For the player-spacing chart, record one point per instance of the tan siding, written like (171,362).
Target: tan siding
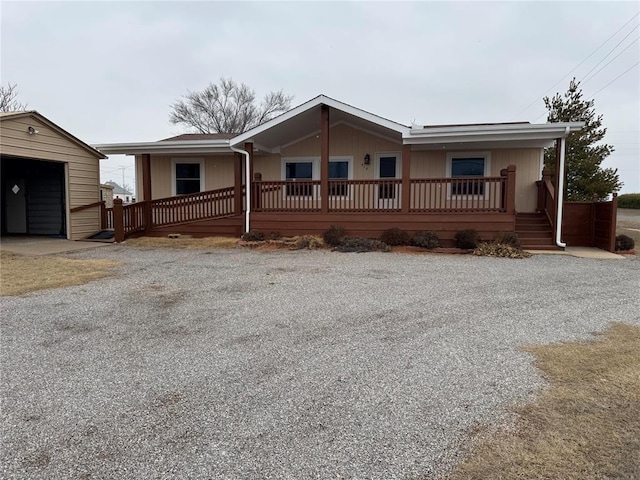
(426,164)
(270,166)
(83,167)
(527,162)
(218,173)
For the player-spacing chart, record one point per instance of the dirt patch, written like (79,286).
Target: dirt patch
(23,274)
(585,426)
(183,242)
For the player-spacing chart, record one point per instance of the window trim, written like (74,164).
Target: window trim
(315,168)
(177,161)
(449,174)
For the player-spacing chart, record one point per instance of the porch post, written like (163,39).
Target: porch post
(556,178)
(511,190)
(118,220)
(237,184)
(324,157)
(406,178)
(146,191)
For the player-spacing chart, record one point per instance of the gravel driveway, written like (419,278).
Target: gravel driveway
(240,364)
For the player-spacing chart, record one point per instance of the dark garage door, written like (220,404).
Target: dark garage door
(33,197)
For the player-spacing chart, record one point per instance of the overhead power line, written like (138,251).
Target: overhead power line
(604,66)
(622,74)
(611,51)
(598,91)
(576,67)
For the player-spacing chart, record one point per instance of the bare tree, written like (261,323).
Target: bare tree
(227,107)
(8,99)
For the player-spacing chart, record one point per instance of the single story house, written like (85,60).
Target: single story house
(106,195)
(122,193)
(327,163)
(50,179)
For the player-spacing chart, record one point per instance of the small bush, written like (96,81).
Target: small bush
(500,250)
(629,200)
(253,236)
(275,235)
(624,243)
(395,236)
(467,239)
(359,244)
(508,238)
(333,237)
(426,240)
(307,242)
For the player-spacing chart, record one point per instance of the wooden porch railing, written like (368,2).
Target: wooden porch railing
(195,206)
(460,194)
(547,199)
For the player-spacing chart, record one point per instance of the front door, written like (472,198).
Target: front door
(388,168)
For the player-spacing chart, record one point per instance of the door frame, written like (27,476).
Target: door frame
(388,203)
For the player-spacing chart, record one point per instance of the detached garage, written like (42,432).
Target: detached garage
(50,180)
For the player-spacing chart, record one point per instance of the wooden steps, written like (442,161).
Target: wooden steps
(534,231)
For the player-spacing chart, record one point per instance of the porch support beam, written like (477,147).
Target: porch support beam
(511,190)
(237,184)
(324,157)
(406,178)
(146,191)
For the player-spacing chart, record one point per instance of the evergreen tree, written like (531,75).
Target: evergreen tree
(585,178)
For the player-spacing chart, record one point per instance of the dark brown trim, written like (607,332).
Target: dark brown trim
(406,178)
(324,158)
(85,207)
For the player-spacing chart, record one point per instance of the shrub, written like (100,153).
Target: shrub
(508,238)
(253,236)
(307,242)
(359,244)
(624,243)
(467,239)
(333,237)
(395,236)
(275,235)
(629,200)
(426,240)
(500,250)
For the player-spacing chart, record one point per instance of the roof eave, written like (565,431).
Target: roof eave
(547,131)
(166,147)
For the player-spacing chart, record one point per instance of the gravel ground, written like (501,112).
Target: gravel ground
(241,364)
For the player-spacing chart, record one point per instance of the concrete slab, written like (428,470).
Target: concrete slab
(31,245)
(581,252)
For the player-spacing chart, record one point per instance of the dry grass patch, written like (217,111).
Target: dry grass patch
(22,274)
(183,242)
(586,425)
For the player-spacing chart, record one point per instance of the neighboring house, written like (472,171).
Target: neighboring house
(106,195)
(122,193)
(374,174)
(50,179)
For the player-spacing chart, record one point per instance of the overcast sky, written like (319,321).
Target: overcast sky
(109,72)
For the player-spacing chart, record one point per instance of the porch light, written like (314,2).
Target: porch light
(32,131)
(367,159)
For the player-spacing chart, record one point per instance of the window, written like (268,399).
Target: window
(188,176)
(338,170)
(299,171)
(306,169)
(470,168)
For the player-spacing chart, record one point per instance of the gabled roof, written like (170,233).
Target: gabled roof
(117,189)
(314,103)
(41,118)
(303,121)
(200,136)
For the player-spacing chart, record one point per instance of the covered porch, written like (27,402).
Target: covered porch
(325,163)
